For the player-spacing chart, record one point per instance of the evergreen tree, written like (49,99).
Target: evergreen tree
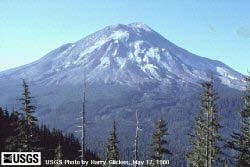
(58,154)
(226,163)
(48,140)
(83,150)
(160,143)
(206,138)
(28,122)
(12,142)
(136,144)
(196,158)
(112,146)
(3,127)
(241,141)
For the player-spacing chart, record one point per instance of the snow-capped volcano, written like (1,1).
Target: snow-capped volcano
(128,68)
(125,54)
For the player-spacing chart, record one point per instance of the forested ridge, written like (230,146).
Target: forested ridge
(20,131)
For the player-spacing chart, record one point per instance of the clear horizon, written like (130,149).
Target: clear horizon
(216,30)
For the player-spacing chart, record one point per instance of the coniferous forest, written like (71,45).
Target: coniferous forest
(20,131)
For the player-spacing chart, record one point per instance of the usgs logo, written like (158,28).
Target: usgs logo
(20,158)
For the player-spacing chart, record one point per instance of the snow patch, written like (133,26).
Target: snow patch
(90,49)
(67,64)
(225,73)
(121,61)
(118,35)
(140,26)
(135,58)
(153,53)
(138,47)
(151,68)
(105,62)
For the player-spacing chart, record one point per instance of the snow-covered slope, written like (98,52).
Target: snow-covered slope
(124,54)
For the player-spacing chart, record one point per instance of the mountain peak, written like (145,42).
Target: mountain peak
(140,25)
(132,28)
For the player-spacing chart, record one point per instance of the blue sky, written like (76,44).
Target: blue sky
(215,29)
